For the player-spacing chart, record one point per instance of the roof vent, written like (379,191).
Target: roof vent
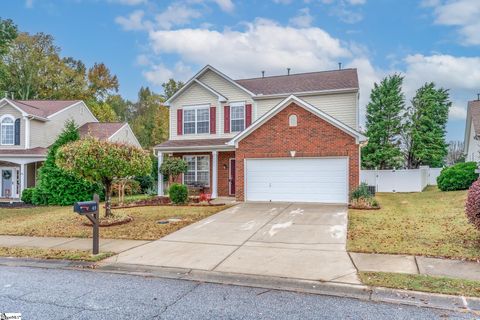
(263,74)
(288,71)
(339,66)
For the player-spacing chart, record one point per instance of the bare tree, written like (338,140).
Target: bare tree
(455,152)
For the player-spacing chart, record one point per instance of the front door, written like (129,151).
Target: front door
(231,179)
(7,183)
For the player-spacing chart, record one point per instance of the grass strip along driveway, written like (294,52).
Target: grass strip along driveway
(62,222)
(429,223)
(53,254)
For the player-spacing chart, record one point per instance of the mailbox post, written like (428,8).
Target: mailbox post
(90,210)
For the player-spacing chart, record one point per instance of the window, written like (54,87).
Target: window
(198,170)
(292,120)
(7,131)
(237,117)
(196,120)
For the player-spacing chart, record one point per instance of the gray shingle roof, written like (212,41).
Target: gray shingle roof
(192,143)
(43,108)
(474,107)
(302,82)
(100,130)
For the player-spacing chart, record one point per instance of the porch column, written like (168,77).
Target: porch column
(23,178)
(160,175)
(214,173)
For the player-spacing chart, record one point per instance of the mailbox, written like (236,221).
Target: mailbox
(85,207)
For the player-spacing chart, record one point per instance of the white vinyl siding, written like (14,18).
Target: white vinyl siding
(473,151)
(297,180)
(43,134)
(342,106)
(198,170)
(125,135)
(223,86)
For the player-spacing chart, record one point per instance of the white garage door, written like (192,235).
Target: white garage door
(297,180)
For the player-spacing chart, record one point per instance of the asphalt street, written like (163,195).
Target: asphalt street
(70,294)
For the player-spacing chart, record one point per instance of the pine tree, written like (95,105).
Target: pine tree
(384,124)
(425,128)
(57,187)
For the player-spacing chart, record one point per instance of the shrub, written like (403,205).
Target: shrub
(173,167)
(178,193)
(146,182)
(27,195)
(472,206)
(457,177)
(361,192)
(132,187)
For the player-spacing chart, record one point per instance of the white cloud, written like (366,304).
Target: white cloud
(160,74)
(263,45)
(176,14)
(457,112)
(282,1)
(303,20)
(463,14)
(133,22)
(225,5)
(356,2)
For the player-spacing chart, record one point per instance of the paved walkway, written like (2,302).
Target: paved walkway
(106,245)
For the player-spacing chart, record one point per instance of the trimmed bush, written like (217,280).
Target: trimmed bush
(472,206)
(27,195)
(178,193)
(361,192)
(457,177)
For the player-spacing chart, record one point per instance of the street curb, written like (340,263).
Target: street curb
(360,292)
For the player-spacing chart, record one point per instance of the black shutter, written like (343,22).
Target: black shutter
(17,132)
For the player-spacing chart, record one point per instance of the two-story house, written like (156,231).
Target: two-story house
(281,138)
(472,132)
(28,128)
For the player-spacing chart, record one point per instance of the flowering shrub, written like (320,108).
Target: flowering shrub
(472,206)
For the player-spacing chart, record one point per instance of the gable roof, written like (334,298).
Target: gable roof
(41,108)
(303,82)
(195,79)
(283,104)
(100,130)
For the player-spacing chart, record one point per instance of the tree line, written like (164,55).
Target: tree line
(32,67)
(401,136)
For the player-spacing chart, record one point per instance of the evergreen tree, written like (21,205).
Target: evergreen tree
(56,186)
(425,128)
(384,124)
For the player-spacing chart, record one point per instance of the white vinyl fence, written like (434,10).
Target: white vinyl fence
(403,180)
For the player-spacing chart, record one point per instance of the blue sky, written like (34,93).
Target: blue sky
(145,42)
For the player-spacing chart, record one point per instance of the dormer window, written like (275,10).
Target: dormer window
(237,117)
(7,131)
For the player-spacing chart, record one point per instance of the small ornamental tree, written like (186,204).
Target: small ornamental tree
(56,186)
(173,167)
(103,162)
(472,206)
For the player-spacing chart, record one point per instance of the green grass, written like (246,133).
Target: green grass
(431,223)
(63,222)
(53,254)
(423,283)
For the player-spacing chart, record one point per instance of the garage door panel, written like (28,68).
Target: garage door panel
(302,180)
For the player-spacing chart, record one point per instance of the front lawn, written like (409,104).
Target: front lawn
(53,254)
(420,282)
(431,223)
(62,222)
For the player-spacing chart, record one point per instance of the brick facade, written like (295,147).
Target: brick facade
(312,137)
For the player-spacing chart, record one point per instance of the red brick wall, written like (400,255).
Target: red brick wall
(312,137)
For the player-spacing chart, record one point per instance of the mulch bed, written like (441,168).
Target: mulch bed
(163,201)
(363,208)
(15,205)
(111,223)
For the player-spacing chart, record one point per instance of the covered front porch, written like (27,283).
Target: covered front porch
(18,171)
(211,165)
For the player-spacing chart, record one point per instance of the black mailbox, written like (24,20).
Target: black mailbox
(85,207)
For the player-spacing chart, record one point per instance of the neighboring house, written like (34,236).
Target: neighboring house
(472,132)
(28,128)
(279,138)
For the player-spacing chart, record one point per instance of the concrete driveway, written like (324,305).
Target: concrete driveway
(301,241)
